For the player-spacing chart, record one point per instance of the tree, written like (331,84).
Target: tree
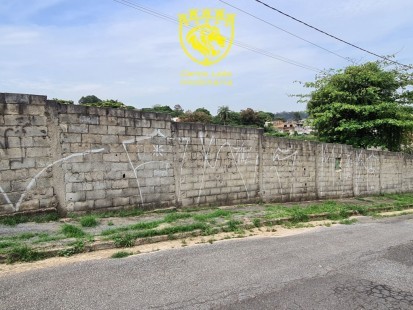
(364,105)
(248,116)
(297,116)
(178,111)
(224,114)
(89,99)
(204,111)
(196,117)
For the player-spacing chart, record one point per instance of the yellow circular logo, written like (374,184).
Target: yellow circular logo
(206,35)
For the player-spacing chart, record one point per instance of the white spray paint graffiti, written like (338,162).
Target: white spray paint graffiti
(32,182)
(210,162)
(362,167)
(279,156)
(157,152)
(367,165)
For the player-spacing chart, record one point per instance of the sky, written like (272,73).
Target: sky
(67,49)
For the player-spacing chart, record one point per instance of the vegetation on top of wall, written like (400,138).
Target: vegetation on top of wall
(93,101)
(367,105)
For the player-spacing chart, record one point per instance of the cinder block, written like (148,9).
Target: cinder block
(116,130)
(89,119)
(16,98)
(78,128)
(78,196)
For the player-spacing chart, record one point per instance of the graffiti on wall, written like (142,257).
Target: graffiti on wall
(32,182)
(283,170)
(224,157)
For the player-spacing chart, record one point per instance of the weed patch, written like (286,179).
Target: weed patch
(121,254)
(256,222)
(138,226)
(89,221)
(124,241)
(71,231)
(23,253)
(348,221)
(211,215)
(173,217)
(77,247)
(39,218)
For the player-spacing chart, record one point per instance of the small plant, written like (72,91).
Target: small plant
(23,253)
(124,241)
(183,242)
(173,217)
(71,231)
(7,244)
(121,254)
(348,221)
(89,221)
(299,215)
(233,225)
(110,223)
(256,222)
(77,247)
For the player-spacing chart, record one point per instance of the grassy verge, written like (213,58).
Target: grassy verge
(78,238)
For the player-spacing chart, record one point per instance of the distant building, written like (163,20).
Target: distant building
(292,127)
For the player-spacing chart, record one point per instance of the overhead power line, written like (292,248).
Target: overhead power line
(286,31)
(332,36)
(235,42)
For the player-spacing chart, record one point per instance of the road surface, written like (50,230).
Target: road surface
(368,265)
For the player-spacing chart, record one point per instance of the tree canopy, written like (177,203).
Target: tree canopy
(93,101)
(367,105)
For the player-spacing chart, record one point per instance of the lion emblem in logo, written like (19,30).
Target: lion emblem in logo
(206,36)
(204,39)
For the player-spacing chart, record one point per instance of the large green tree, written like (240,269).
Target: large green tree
(366,105)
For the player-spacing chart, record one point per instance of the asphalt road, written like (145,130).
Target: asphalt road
(364,266)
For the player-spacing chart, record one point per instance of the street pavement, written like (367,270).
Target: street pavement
(368,265)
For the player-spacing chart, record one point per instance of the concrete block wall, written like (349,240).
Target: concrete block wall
(25,154)
(216,164)
(289,170)
(77,158)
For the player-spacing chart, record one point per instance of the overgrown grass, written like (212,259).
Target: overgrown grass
(23,253)
(173,217)
(77,246)
(7,244)
(137,226)
(125,239)
(89,221)
(212,215)
(38,218)
(71,231)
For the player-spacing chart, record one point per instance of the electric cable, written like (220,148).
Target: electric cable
(286,31)
(235,42)
(332,36)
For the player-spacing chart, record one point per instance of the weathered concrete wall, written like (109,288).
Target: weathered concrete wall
(77,158)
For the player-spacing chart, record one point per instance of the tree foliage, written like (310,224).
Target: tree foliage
(196,117)
(93,101)
(366,105)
